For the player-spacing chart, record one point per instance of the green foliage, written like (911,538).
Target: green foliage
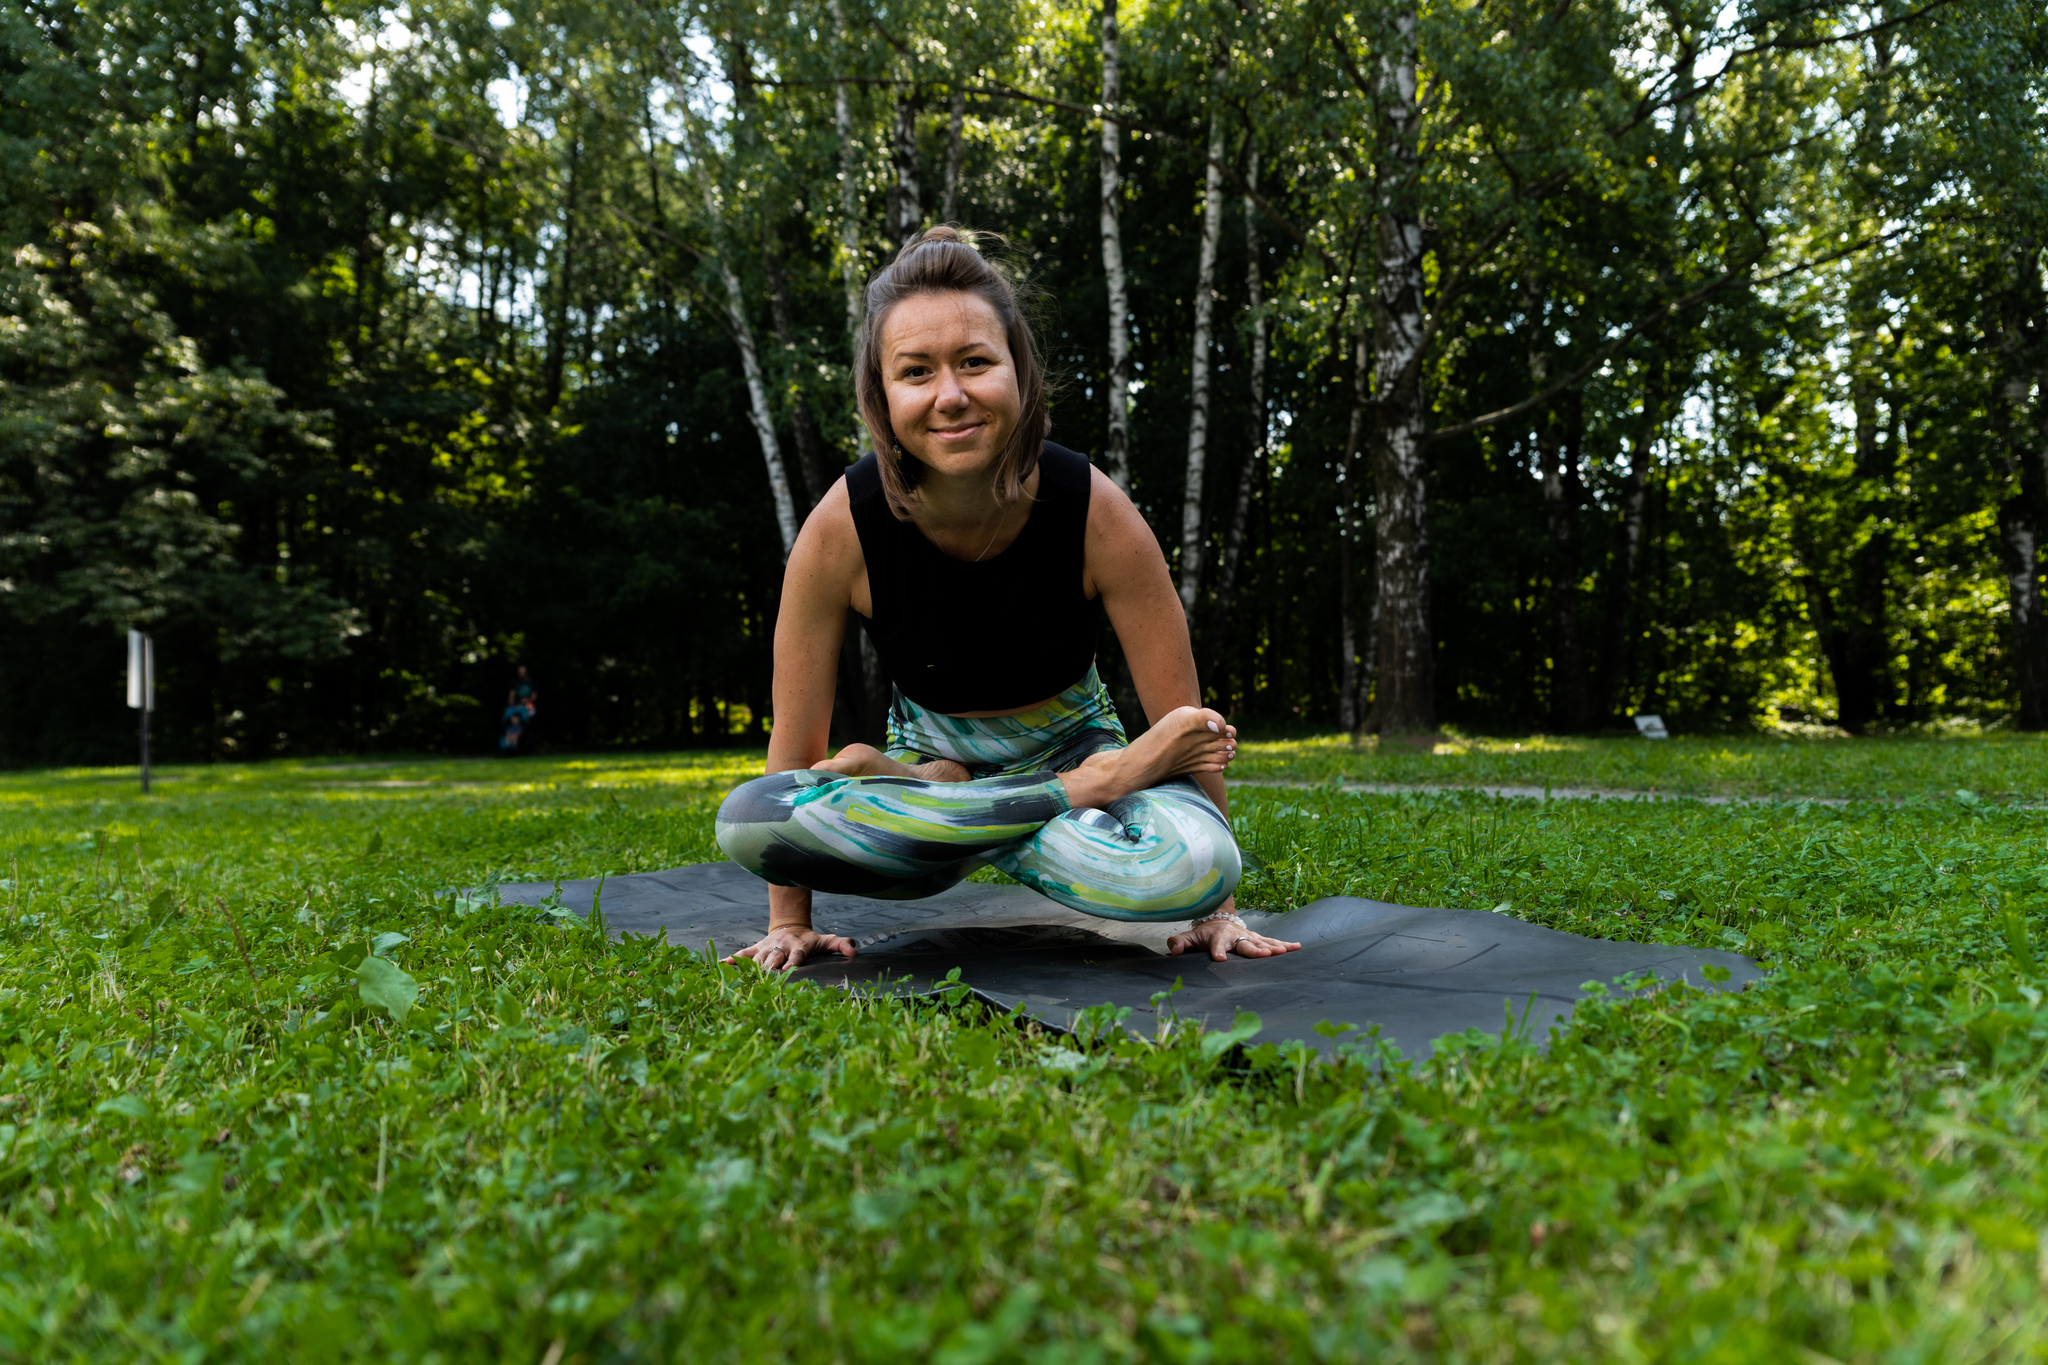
(215,1142)
(115,433)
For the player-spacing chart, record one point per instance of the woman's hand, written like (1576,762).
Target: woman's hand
(1221,937)
(787,947)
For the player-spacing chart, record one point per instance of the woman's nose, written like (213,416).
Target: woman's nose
(950,394)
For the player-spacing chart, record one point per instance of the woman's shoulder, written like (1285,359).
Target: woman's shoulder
(1066,469)
(863,481)
(829,534)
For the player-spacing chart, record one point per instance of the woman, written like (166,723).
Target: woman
(975,552)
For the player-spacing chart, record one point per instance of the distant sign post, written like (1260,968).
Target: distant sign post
(142,690)
(1652,727)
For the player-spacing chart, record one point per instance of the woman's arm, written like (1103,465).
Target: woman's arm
(1124,564)
(817,588)
(825,575)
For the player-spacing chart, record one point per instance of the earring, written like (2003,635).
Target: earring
(899,451)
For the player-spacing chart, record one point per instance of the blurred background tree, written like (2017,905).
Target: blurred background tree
(1506,366)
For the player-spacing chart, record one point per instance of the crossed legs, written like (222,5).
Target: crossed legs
(1122,834)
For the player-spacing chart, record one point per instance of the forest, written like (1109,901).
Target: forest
(1482,364)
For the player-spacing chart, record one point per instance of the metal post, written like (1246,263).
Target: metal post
(142,691)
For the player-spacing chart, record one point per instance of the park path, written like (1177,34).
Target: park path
(1541,793)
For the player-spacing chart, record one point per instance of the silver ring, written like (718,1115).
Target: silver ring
(1241,938)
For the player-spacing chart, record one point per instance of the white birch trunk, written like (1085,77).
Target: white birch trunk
(1202,365)
(956,127)
(750,358)
(1255,292)
(908,197)
(1116,457)
(1255,458)
(1406,653)
(1349,689)
(857,651)
(849,191)
(757,406)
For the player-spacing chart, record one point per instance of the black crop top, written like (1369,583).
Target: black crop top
(1006,632)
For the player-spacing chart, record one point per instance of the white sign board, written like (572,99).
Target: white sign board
(1652,727)
(141,672)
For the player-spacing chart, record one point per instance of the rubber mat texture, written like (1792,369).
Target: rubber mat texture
(1416,974)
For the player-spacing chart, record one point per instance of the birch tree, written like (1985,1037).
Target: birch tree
(758,409)
(1254,465)
(906,208)
(1406,649)
(849,182)
(1116,455)
(956,143)
(1199,368)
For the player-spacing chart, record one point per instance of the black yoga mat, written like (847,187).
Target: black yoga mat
(1417,974)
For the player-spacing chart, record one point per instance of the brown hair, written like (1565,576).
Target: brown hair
(948,260)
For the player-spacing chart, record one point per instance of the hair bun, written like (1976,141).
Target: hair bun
(953,235)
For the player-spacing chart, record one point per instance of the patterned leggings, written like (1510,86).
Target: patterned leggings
(1161,854)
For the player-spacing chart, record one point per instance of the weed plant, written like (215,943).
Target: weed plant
(271,1091)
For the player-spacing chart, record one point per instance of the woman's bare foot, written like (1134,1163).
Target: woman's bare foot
(1189,739)
(864,760)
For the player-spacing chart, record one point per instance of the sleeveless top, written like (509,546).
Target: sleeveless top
(1006,632)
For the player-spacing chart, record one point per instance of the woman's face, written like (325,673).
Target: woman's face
(950,381)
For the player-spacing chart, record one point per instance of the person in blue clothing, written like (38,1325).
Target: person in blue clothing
(522,704)
(514,729)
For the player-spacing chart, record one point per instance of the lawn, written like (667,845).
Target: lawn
(224,1133)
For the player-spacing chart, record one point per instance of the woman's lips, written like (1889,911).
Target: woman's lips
(956,433)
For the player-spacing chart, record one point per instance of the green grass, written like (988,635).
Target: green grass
(1872,769)
(212,1146)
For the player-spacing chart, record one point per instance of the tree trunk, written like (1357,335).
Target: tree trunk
(1851,619)
(1615,653)
(558,320)
(1861,656)
(743,335)
(1199,368)
(757,396)
(860,696)
(1563,429)
(1349,714)
(1116,455)
(1255,456)
(2016,328)
(849,193)
(810,444)
(1558,430)
(2019,542)
(956,125)
(1406,701)
(907,205)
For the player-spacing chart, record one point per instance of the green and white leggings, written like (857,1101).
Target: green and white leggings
(1165,853)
